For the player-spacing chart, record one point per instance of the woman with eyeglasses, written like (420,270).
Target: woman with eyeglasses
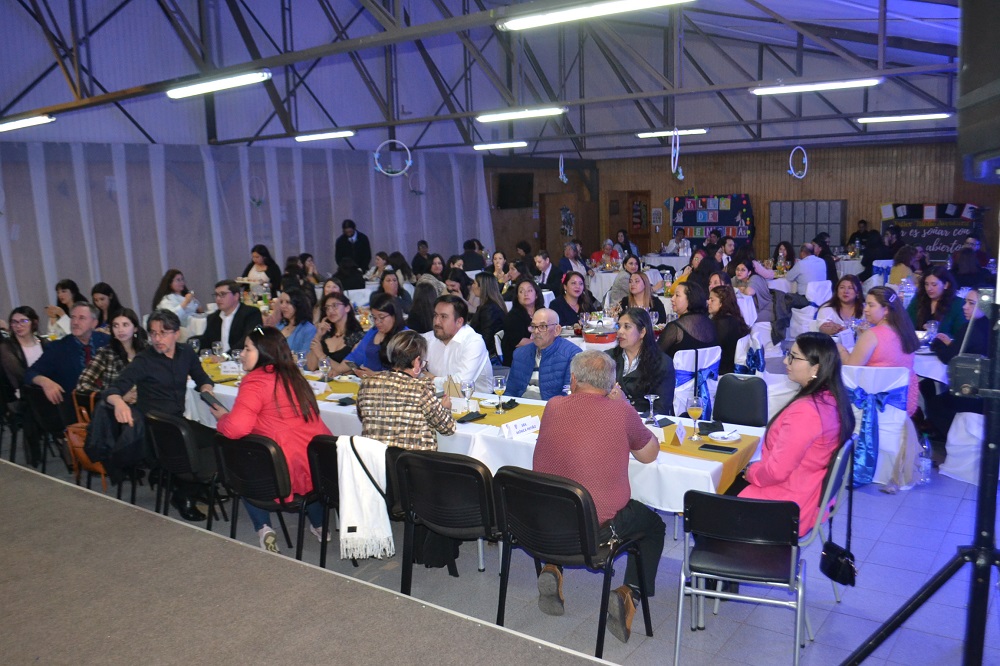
(516,323)
(369,355)
(275,401)
(889,342)
(802,438)
(18,353)
(336,334)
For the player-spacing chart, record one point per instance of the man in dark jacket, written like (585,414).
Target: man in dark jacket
(353,244)
(231,323)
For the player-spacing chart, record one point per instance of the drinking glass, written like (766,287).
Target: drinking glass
(694,409)
(567,390)
(234,355)
(205,355)
(499,386)
(325,366)
(467,389)
(217,349)
(651,398)
(195,344)
(300,360)
(932,330)
(654,316)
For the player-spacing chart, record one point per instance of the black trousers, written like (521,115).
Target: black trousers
(637,518)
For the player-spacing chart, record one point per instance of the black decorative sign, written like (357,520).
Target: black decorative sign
(938,228)
(730,214)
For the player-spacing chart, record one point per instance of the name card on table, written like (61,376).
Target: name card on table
(515,429)
(229,368)
(679,434)
(318,388)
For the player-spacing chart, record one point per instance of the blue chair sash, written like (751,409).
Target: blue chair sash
(701,385)
(883,271)
(754,364)
(871,404)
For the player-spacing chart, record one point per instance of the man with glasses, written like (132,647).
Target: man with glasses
(231,323)
(454,349)
(160,373)
(544,362)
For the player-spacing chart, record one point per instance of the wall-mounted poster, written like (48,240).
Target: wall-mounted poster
(938,228)
(730,214)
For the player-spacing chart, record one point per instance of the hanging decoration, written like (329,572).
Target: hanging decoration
(791,166)
(675,154)
(413,188)
(257,191)
(390,171)
(562,171)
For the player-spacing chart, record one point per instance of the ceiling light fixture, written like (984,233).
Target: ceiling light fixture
(585,11)
(319,136)
(498,116)
(25,122)
(815,87)
(500,146)
(215,85)
(903,119)
(659,133)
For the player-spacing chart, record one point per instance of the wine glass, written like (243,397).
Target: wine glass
(300,360)
(205,356)
(694,409)
(195,345)
(651,398)
(467,389)
(567,390)
(217,349)
(235,355)
(932,330)
(654,316)
(499,386)
(325,366)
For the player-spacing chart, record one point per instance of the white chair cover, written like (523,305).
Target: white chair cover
(747,342)
(747,308)
(762,331)
(965,443)
(881,268)
(818,292)
(897,454)
(684,362)
(497,340)
(358,296)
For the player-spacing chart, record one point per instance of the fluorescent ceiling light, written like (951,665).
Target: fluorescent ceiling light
(585,11)
(659,133)
(214,85)
(903,119)
(25,122)
(339,134)
(520,113)
(814,87)
(501,146)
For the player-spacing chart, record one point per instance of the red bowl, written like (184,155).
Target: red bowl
(600,338)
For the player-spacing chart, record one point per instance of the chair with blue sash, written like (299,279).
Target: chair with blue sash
(818,293)
(749,357)
(886,447)
(696,369)
(880,274)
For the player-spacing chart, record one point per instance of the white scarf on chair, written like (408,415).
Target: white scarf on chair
(364,519)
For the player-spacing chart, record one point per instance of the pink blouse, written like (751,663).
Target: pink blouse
(889,353)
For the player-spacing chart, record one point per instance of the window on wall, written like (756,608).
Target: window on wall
(799,221)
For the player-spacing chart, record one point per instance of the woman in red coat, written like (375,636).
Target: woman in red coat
(276,401)
(803,437)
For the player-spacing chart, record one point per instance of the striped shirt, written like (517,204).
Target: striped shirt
(402,411)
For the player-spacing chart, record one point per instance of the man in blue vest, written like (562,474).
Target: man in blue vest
(547,354)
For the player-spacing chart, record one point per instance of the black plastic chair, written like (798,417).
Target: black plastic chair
(10,418)
(179,459)
(254,468)
(323,469)
(741,400)
(447,493)
(51,422)
(553,519)
(744,541)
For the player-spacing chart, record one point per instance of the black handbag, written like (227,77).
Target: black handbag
(837,562)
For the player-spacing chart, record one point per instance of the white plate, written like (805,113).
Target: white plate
(488,402)
(724,437)
(334,397)
(347,378)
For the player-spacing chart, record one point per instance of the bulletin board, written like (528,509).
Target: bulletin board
(730,214)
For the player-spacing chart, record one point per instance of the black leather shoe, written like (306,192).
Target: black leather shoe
(187,509)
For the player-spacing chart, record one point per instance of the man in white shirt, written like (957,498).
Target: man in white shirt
(678,244)
(809,268)
(454,349)
(549,276)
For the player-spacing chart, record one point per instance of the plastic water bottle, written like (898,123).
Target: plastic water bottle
(925,460)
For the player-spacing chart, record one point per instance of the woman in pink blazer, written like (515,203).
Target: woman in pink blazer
(803,437)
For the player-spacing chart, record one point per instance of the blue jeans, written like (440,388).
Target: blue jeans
(260,517)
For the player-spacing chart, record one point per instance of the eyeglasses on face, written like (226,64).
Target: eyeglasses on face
(541,328)
(789,357)
(19,322)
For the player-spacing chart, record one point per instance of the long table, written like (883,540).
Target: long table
(660,484)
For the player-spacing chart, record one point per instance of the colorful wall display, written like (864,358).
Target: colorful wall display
(731,214)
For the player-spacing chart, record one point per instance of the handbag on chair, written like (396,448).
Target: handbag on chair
(837,562)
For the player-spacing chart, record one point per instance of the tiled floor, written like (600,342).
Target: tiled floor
(899,541)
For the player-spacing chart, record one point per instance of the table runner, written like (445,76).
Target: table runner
(732,464)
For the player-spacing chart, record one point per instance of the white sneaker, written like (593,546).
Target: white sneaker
(318,533)
(268,539)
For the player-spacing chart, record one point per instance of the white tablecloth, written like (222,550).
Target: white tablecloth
(360,297)
(660,484)
(928,365)
(781,284)
(676,263)
(849,267)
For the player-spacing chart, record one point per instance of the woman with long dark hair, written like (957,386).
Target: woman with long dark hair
(172,294)
(624,244)
(457,283)
(697,257)
(349,274)
(312,274)
(935,301)
(374,273)
(889,341)
(389,284)
(369,355)
(576,299)
(421,317)
(263,269)
(67,293)
(292,315)
(403,270)
(487,320)
(641,369)
(729,325)
(619,288)
(106,300)
(802,438)
(515,325)
(275,401)
(128,338)
(499,267)
(337,332)
(845,304)
(692,329)
(17,354)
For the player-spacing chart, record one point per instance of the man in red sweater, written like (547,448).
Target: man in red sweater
(598,459)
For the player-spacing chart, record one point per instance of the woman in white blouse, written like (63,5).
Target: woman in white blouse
(846,304)
(173,295)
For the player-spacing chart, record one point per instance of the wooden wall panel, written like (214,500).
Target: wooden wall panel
(866,176)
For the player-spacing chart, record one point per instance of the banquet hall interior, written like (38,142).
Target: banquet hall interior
(677,114)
